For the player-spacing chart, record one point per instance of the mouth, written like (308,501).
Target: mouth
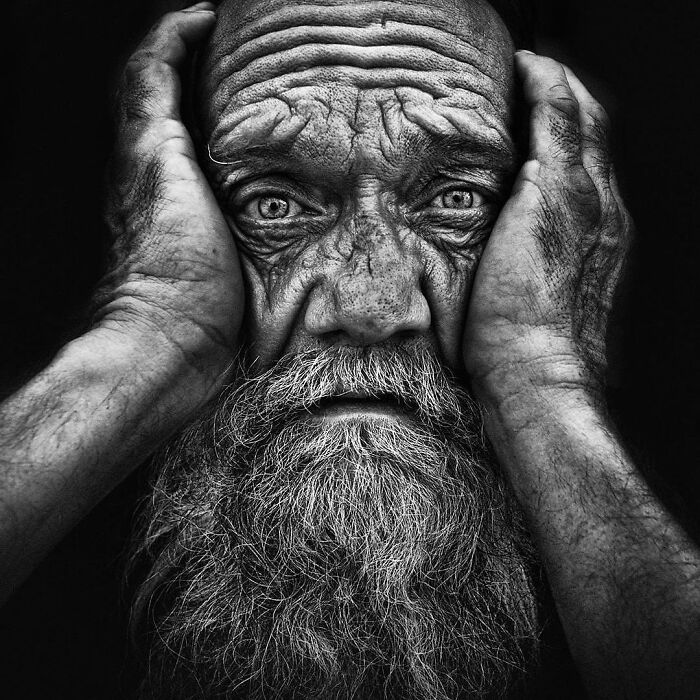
(359,405)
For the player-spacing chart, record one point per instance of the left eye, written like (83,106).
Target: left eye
(457,199)
(272,207)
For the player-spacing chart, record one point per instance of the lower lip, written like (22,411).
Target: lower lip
(353,408)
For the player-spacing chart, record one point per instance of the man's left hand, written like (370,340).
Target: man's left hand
(544,289)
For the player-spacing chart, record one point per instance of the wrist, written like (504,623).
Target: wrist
(542,435)
(532,374)
(168,338)
(156,379)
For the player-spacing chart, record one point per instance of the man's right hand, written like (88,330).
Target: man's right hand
(165,329)
(174,284)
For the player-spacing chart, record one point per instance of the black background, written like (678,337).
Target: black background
(62,635)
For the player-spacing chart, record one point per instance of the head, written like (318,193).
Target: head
(335,525)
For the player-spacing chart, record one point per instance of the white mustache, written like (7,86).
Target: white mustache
(412,376)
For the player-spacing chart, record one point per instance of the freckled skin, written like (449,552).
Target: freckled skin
(360,116)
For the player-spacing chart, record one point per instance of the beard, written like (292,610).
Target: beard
(287,556)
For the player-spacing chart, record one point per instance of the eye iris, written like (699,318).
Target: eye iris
(273,207)
(458,199)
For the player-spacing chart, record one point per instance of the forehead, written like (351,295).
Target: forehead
(350,83)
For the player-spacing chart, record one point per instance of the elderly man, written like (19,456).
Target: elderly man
(332,522)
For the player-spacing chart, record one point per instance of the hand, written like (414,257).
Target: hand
(174,282)
(545,286)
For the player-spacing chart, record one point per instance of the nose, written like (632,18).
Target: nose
(374,293)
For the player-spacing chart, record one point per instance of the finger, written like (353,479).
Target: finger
(555,134)
(595,131)
(150,87)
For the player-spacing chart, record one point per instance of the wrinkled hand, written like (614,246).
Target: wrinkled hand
(174,281)
(544,289)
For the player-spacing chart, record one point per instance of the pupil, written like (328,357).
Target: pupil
(272,207)
(457,199)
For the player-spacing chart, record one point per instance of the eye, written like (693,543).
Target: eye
(457,199)
(272,207)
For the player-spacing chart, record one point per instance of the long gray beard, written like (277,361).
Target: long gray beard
(361,558)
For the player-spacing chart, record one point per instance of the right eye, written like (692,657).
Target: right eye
(270,207)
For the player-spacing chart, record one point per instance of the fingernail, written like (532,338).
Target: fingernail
(531,53)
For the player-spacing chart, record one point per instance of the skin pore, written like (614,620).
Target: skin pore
(380,135)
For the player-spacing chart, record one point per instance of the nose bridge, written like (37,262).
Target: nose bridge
(375,292)
(379,268)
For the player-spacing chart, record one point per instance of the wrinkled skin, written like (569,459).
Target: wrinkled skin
(364,128)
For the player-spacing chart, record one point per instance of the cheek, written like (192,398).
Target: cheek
(447,284)
(276,293)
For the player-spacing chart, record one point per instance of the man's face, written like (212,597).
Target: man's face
(334,526)
(368,148)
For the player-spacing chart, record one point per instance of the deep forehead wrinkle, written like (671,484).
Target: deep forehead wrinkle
(285,63)
(359,53)
(358,15)
(390,33)
(276,44)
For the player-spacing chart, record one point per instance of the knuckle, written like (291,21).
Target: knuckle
(145,64)
(142,146)
(599,115)
(600,129)
(142,57)
(166,23)
(160,30)
(140,90)
(563,133)
(617,219)
(583,194)
(580,183)
(136,104)
(562,102)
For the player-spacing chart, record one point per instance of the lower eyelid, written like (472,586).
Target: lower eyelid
(450,216)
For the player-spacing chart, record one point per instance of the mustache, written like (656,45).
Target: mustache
(411,375)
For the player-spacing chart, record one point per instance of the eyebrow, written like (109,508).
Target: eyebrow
(256,159)
(475,150)
(495,156)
